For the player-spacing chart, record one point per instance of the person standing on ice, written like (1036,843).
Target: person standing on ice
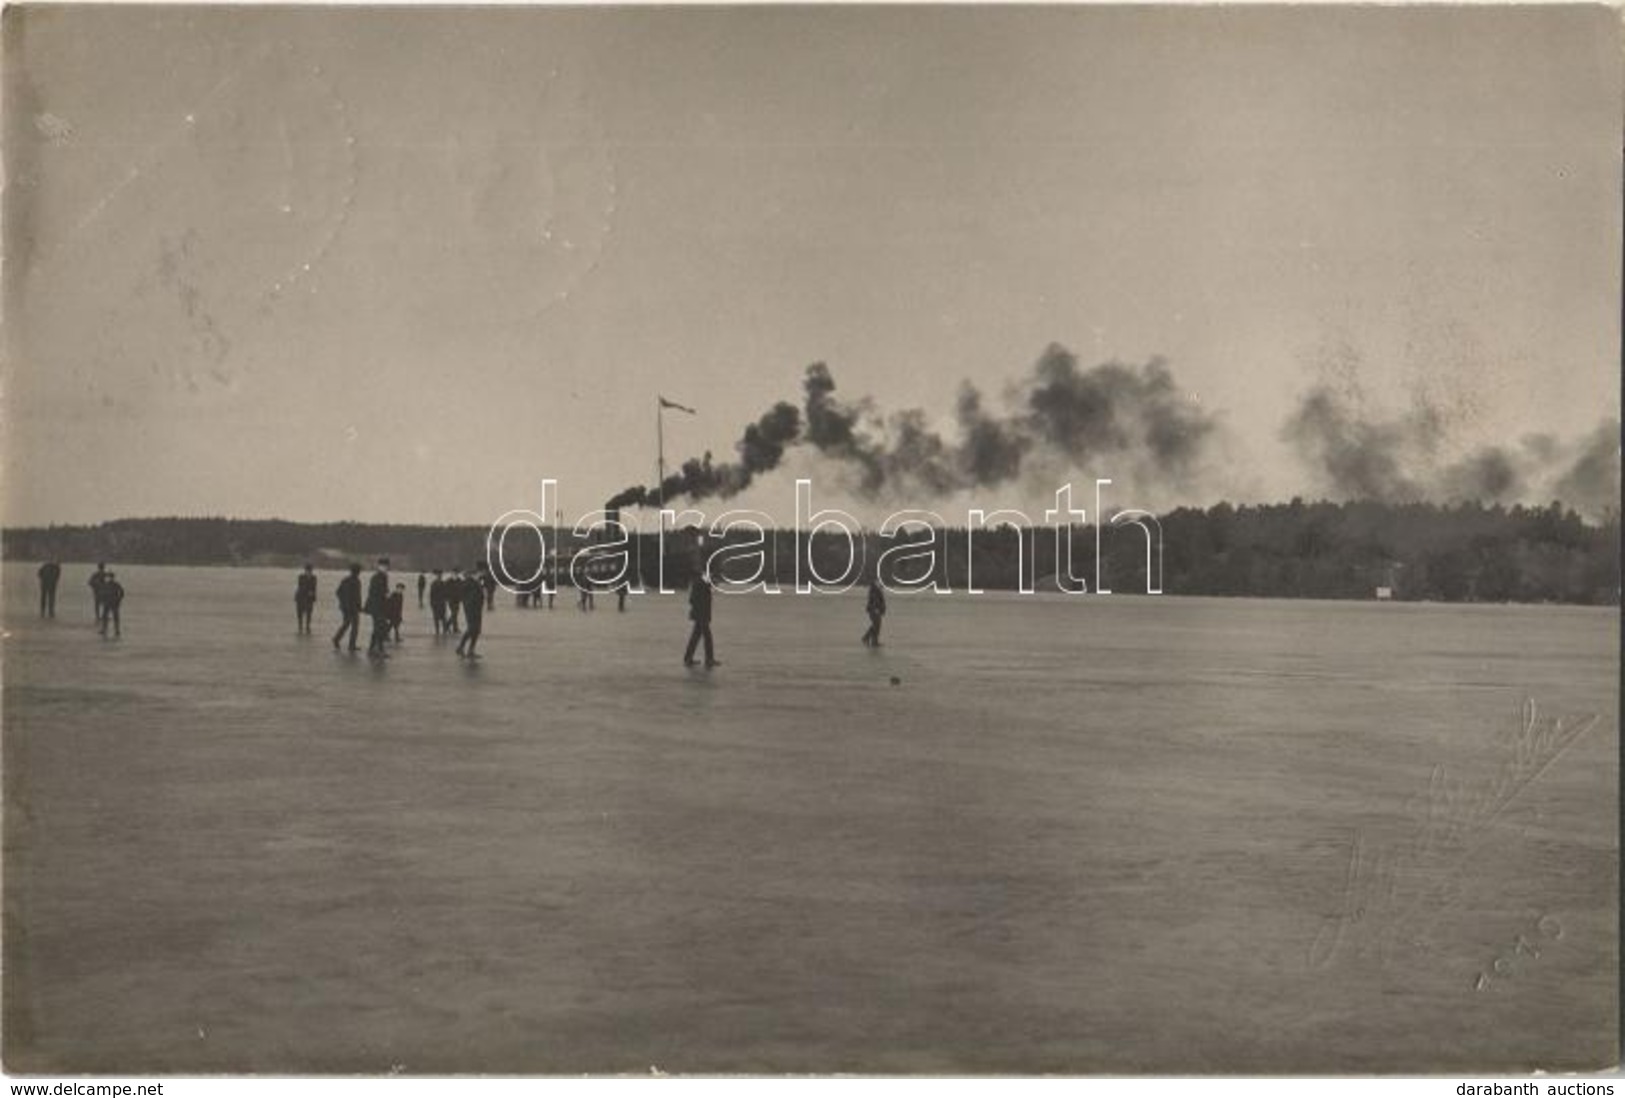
(453,592)
(876,610)
(97,579)
(397,609)
(473,613)
(49,573)
(349,596)
(699,612)
(304,597)
(112,599)
(437,601)
(377,608)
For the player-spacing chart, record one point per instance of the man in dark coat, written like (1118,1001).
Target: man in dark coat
(473,590)
(349,596)
(377,608)
(699,611)
(437,602)
(49,574)
(112,599)
(397,610)
(876,610)
(97,579)
(304,597)
(454,600)
(423,583)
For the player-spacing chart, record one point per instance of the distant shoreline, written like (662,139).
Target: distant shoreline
(1363,550)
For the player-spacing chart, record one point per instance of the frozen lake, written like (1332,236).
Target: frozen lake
(1096,834)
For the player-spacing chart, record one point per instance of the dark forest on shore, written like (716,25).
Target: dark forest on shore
(1418,551)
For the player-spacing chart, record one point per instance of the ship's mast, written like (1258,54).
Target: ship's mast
(661,404)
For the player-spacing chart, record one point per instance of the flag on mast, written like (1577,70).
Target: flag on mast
(664,403)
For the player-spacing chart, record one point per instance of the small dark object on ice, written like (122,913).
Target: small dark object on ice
(895,681)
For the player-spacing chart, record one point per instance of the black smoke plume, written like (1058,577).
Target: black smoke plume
(1113,411)
(760,449)
(1590,483)
(1354,456)
(1396,459)
(1060,416)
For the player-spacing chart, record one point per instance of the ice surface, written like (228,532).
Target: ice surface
(1082,834)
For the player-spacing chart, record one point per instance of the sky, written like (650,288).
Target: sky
(397,265)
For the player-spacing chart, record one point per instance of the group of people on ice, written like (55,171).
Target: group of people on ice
(459,595)
(106,594)
(465,595)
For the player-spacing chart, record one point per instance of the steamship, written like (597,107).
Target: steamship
(571,561)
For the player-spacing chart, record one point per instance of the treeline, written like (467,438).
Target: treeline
(223,541)
(1457,553)
(1464,552)
(1461,552)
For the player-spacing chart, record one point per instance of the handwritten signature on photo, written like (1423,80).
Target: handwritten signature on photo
(1394,893)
